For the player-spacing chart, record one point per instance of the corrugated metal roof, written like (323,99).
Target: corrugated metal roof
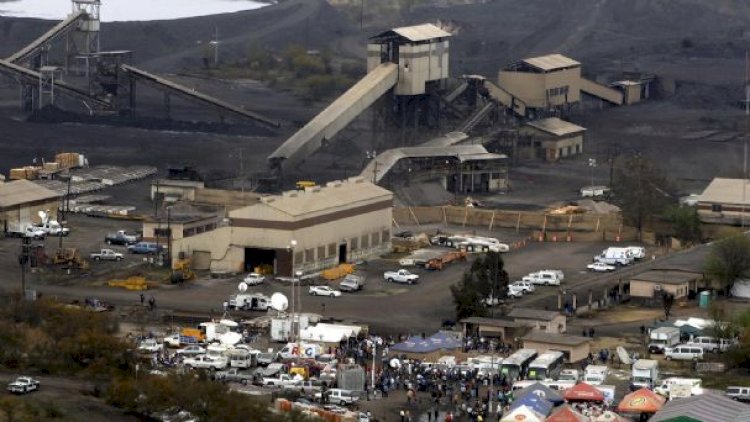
(667,276)
(707,407)
(727,191)
(417,33)
(551,62)
(556,126)
(338,194)
(21,192)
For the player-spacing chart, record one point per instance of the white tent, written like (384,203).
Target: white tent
(329,333)
(741,289)
(523,413)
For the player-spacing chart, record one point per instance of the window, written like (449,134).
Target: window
(385,236)
(309,255)
(365,241)
(331,250)
(298,257)
(716,207)
(353,243)
(375,239)
(162,232)
(321,252)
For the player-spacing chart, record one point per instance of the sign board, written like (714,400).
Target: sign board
(710,367)
(678,391)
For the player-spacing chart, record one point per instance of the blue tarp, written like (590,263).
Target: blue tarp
(438,341)
(542,391)
(533,402)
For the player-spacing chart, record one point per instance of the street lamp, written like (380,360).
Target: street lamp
(592,164)
(290,249)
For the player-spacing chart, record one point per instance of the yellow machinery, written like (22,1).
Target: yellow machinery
(302,184)
(69,257)
(131,283)
(181,271)
(338,272)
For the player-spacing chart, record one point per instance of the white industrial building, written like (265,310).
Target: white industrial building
(307,230)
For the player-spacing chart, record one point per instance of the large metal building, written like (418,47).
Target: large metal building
(21,201)
(307,230)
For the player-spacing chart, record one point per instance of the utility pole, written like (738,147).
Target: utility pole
(61,213)
(23,260)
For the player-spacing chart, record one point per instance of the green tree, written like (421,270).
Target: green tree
(686,225)
(728,260)
(641,190)
(485,278)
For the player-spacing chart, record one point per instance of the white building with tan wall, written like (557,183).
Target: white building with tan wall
(343,221)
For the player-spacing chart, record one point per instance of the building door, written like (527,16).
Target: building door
(342,253)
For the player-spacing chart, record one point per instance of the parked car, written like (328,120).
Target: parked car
(53,228)
(525,286)
(121,237)
(23,385)
(351,283)
(192,350)
(106,255)
(338,396)
(600,267)
(145,248)
(324,291)
(150,345)
(282,380)
(254,279)
(401,276)
(234,375)
(683,352)
(711,344)
(33,232)
(207,362)
(738,393)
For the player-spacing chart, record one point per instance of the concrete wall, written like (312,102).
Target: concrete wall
(420,63)
(366,235)
(645,289)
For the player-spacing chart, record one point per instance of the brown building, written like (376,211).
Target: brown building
(575,348)
(21,201)
(550,139)
(725,201)
(651,284)
(548,321)
(504,329)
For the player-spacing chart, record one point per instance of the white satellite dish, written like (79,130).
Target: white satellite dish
(279,302)
(242,287)
(395,363)
(42,215)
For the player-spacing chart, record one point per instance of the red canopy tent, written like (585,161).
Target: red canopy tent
(566,414)
(583,392)
(641,401)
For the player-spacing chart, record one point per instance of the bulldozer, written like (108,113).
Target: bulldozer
(69,258)
(181,271)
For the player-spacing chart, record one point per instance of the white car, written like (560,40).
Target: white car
(23,385)
(525,286)
(191,350)
(324,291)
(150,345)
(601,267)
(254,279)
(207,362)
(515,291)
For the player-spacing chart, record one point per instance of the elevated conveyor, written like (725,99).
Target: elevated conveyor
(56,31)
(600,91)
(506,99)
(335,117)
(477,117)
(32,77)
(190,94)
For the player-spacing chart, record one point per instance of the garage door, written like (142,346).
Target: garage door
(201,260)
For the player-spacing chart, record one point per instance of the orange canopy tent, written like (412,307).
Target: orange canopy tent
(583,392)
(566,414)
(641,401)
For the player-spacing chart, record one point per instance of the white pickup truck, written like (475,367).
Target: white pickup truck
(23,385)
(401,276)
(106,255)
(281,380)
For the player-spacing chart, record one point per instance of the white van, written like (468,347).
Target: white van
(666,385)
(711,344)
(595,374)
(738,393)
(683,352)
(637,252)
(544,278)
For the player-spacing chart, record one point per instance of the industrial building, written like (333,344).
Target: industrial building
(650,285)
(575,348)
(307,230)
(725,201)
(21,201)
(551,82)
(550,139)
